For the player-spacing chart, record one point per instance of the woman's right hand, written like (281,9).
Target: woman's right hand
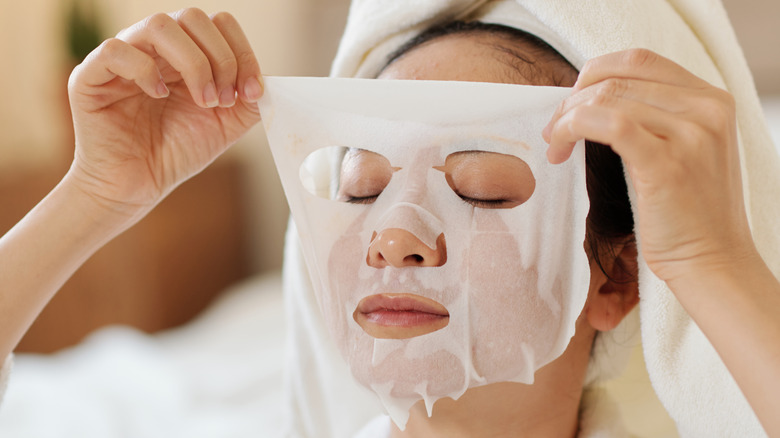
(157,104)
(147,115)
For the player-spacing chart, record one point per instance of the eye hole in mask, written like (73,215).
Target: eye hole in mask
(363,176)
(483,179)
(489,179)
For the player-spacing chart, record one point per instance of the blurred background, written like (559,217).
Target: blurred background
(223,227)
(225,224)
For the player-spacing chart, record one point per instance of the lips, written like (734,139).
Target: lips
(400,316)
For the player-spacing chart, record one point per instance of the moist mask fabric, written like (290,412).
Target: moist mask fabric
(512,276)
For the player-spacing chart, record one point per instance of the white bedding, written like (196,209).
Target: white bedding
(219,376)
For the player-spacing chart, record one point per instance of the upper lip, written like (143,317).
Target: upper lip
(401,302)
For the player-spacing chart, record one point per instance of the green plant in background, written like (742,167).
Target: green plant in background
(82,29)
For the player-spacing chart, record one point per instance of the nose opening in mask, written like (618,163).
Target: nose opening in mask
(400,248)
(421,229)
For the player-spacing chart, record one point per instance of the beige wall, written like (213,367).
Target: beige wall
(288,35)
(33,82)
(757,24)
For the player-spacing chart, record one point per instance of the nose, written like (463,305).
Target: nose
(399,248)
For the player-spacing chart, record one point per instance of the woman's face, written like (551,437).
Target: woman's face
(483,179)
(437,302)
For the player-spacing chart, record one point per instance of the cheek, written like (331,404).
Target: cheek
(341,280)
(507,310)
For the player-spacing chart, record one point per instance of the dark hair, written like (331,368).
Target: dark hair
(610,219)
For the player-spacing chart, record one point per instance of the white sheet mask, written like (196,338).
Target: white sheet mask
(513,280)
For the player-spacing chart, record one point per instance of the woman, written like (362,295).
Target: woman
(445,276)
(137,98)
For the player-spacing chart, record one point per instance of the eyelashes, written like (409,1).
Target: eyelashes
(486,180)
(361,199)
(479,203)
(483,203)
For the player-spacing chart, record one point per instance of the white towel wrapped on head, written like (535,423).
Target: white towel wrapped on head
(686,372)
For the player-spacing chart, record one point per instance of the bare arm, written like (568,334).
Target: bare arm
(43,250)
(151,108)
(677,136)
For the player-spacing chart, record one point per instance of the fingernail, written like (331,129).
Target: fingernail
(162,89)
(210,95)
(253,90)
(227,97)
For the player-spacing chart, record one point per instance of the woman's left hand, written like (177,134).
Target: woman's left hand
(677,136)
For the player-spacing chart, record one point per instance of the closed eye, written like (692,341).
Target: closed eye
(364,175)
(485,203)
(489,180)
(360,199)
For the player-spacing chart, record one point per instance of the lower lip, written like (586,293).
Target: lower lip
(401,318)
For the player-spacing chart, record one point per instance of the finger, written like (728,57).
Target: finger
(115,58)
(249,79)
(160,35)
(634,135)
(658,121)
(681,101)
(223,62)
(637,64)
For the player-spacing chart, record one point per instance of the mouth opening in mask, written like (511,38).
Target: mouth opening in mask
(400,315)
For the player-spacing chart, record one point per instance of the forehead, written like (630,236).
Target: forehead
(472,57)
